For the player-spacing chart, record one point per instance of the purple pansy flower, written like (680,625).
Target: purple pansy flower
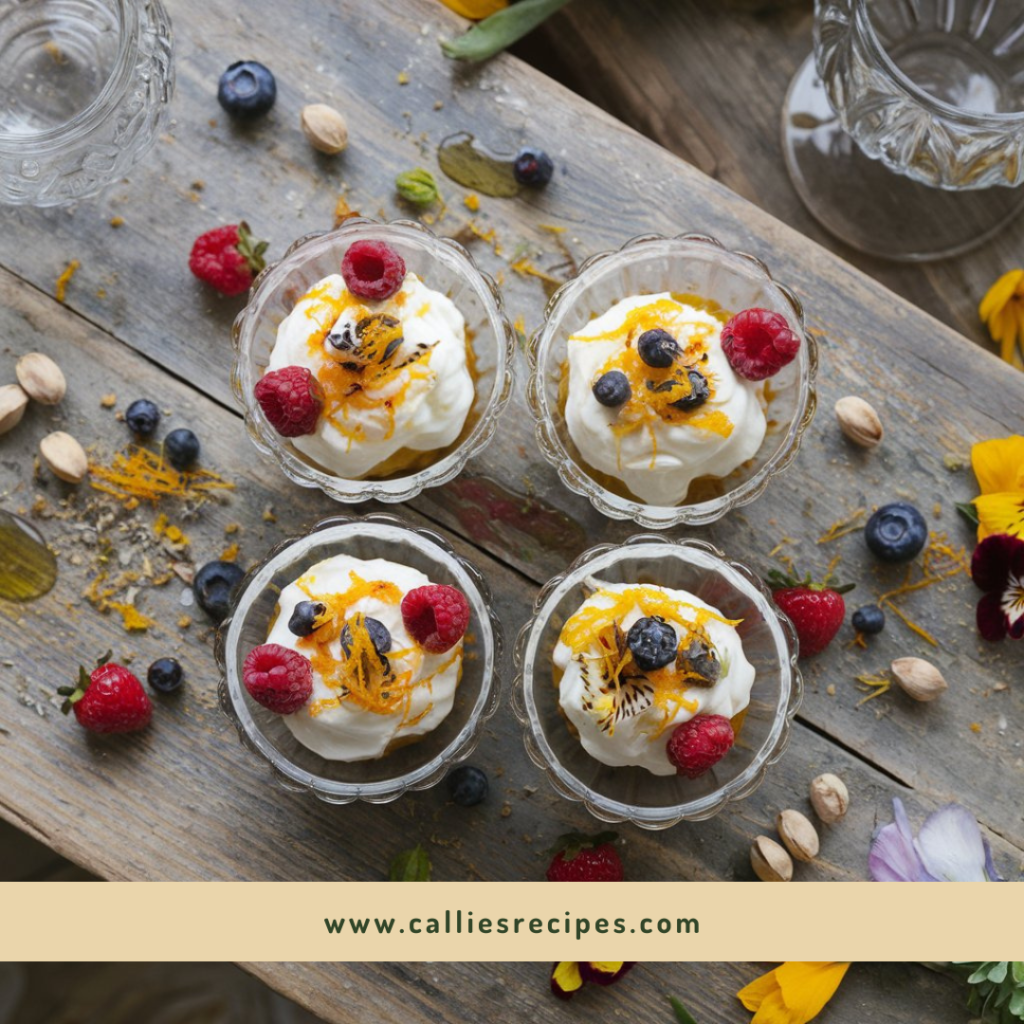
(949,848)
(998,568)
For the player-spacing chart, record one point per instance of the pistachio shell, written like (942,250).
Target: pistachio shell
(13,402)
(859,421)
(41,378)
(64,456)
(324,127)
(830,798)
(919,679)
(770,861)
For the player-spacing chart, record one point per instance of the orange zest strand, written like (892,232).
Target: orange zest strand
(842,527)
(61,287)
(877,684)
(145,475)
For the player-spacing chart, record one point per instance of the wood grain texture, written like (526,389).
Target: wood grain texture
(887,993)
(183,801)
(707,79)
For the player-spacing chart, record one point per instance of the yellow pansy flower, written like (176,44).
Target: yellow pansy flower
(570,976)
(1002,311)
(477,9)
(999,466)
(793,993)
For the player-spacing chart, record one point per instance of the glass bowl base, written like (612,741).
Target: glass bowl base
(866,205)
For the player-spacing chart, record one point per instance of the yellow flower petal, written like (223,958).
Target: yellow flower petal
(999,294)
(607,966)
(475,9)
(999,464)
(567,976)
(794,993)
(1000,513)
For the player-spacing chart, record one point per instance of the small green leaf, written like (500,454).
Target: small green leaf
(500,30)
(968,511)
(418,187)
(1017,968)
(411,866)
(682,1014)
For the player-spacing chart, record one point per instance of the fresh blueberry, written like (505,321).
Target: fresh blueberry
(658,348)
(181,447)
(214,586)
(896,532)
(612,389)
(467,786)
(142,417)
(379,637)
(653,643)
(247,90)
(533,167)
(164,675)
(302,621)
(700,392)
(869,619)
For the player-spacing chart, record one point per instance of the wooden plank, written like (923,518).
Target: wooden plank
(184,801)
(450,993)
(707,81)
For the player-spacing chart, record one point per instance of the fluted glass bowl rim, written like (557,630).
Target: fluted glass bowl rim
(963,117)
(659,516)
(291,777)
(564,783)
(397,489)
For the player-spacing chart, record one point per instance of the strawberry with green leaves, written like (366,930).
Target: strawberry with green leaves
(580,858)
(816,610)
(108,699)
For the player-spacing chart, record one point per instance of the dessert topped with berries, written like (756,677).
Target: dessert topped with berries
(663,389)
(362,656)
(653,677)
(370,373)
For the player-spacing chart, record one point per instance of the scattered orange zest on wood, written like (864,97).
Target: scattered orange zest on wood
(525,268)
(61,288)
(877,684)
(145,475)
(842,527)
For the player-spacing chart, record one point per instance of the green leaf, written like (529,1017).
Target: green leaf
(999,971)
(411,866)
(500,30)
(682,1014)
(968,511)
(418,187)
(1017,968)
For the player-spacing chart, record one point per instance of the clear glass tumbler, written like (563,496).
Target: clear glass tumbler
(84,87)
(904,131)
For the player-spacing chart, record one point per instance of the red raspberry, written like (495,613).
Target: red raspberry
(292,399)
(109,699)
(372,270)
(435,617)
(758,343)
(698,745)
(278,678)
(227,258)
(579,858)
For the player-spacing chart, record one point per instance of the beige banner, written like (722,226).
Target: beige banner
(468,921)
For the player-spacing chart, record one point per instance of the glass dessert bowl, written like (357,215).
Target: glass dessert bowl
(377,700)
(599,705)
(671,380)
(373,386)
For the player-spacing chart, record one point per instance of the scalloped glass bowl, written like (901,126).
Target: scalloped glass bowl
(689,264)
(418,765)
(444,266)
(633,794)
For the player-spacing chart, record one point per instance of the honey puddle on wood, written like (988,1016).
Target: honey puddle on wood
(469,164)
(28,568)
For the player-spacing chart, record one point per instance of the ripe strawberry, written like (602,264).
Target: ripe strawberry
(579,858)
(278,678)
(817,609)
(292,399)
(436,616)
(108,699)
(758,343)
(227,258)
(696,746)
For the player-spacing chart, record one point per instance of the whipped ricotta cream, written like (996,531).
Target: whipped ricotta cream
(628,720)
(417,398)
(658,451)
(347,719)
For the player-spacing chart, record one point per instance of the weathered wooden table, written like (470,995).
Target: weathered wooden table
(889,993)
(183,800)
